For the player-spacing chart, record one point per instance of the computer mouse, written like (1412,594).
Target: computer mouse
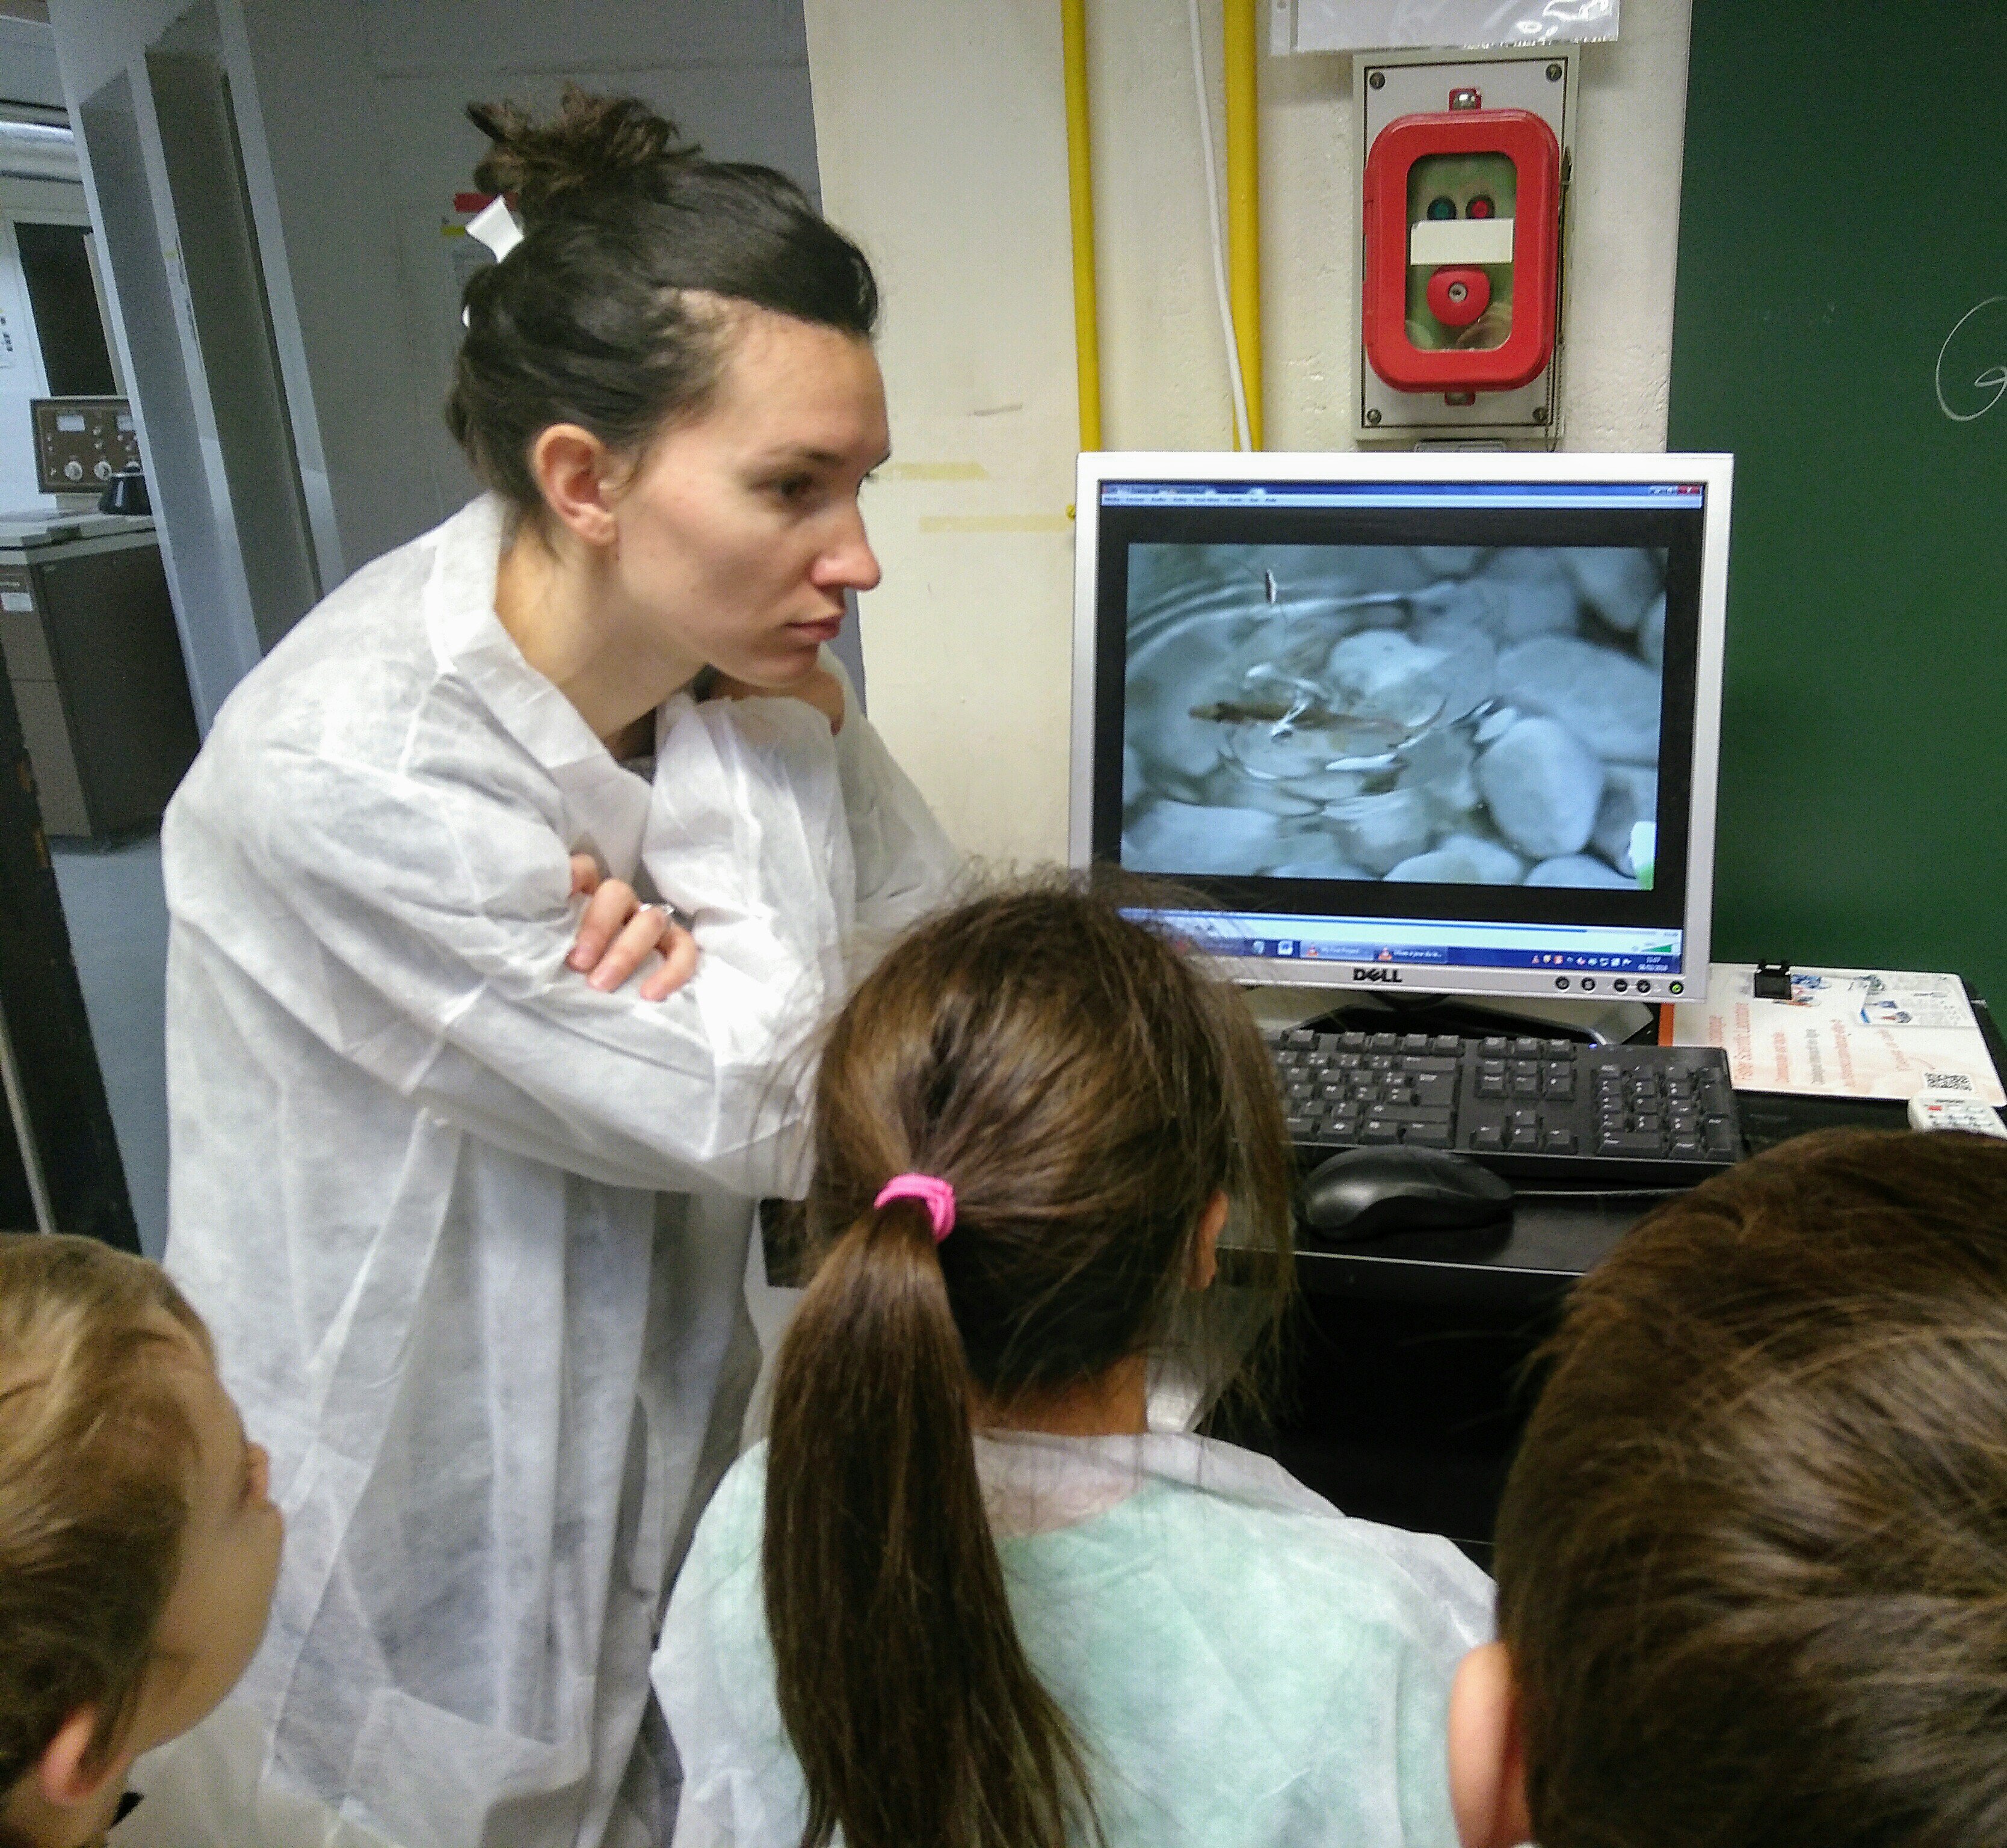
(1365,1193)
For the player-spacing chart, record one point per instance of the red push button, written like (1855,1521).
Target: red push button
(1457,297)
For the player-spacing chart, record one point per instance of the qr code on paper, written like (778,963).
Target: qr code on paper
(1947,1081)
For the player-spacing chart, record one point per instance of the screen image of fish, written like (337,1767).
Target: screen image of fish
(1449,714)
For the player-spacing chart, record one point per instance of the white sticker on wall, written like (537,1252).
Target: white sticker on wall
(1396,25)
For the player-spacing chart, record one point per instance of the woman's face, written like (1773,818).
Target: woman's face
(740,532)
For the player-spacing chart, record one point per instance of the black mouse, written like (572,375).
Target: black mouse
(1364,1193)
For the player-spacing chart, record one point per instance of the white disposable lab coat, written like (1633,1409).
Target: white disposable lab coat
(204,1790)
(470,1235)
(1245,1665)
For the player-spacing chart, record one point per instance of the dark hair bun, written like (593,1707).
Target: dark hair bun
(595,147)
(591,320)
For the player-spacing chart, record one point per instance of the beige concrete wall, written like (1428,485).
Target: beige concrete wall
(941,139)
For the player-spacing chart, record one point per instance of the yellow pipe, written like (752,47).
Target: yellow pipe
(1079,192)
(1243,202)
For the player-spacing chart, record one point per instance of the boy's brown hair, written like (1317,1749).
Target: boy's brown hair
(95,1451)
(1752,1557)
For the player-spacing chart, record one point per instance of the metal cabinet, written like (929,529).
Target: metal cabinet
(95,665)
(59,1164)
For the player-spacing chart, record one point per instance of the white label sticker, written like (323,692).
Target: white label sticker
(1435,241)
(17,602)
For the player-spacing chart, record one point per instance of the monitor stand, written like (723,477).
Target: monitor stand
(1478,1017)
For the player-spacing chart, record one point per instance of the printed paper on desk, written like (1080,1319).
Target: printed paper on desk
(1844,1033)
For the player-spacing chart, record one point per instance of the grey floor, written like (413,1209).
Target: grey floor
(117,913)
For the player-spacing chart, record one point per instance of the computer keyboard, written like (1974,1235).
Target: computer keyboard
(1530,1109)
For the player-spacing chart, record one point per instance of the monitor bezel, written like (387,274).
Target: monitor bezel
(1716,473)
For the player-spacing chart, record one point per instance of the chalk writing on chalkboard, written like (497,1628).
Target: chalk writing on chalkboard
(1977,337)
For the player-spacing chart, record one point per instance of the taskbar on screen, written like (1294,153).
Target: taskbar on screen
(1412,942)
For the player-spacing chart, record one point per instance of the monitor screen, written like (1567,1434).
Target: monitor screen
(1439,720)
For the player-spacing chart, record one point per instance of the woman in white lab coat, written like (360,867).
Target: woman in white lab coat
(470,1223)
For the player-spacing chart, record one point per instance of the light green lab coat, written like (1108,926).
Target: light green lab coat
(1246,1666)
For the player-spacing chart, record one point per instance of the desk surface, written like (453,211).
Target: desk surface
(1552,1239)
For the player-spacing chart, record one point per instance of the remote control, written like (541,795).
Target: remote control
(1947,1110)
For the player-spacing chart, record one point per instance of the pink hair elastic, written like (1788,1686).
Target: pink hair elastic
(933,1193)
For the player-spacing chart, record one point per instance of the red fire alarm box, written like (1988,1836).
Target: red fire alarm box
(1462,215)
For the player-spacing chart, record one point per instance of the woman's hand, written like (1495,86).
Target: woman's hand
(619,934)
(821,689)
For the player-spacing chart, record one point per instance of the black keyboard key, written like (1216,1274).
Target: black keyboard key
(1428,1135)
(1630,1144)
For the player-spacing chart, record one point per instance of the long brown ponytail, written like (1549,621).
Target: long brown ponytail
(1086,1093)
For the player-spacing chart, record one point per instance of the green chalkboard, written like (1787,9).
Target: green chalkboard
(1840,324)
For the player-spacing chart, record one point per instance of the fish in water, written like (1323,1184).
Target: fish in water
(1352,733)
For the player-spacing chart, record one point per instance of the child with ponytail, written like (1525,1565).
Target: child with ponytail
(964,1596)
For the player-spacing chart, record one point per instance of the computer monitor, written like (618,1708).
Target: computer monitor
(1434,722)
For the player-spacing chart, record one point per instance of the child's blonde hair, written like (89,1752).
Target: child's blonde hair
(96,1446)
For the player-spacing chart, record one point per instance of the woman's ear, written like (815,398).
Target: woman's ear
(1205,1265)
(1487,1764)
(578,477)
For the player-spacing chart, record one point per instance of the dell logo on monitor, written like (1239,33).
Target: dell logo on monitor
(1375,973)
